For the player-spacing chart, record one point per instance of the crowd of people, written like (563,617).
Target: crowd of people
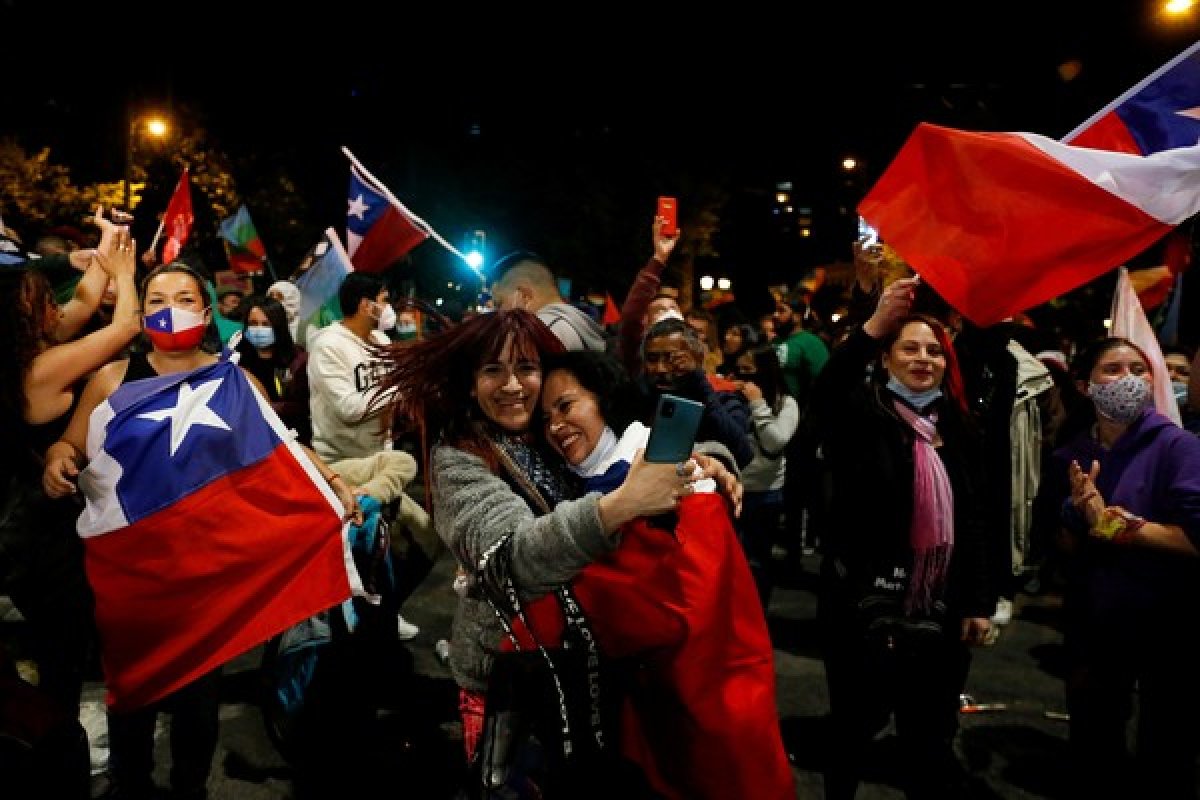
(611,625)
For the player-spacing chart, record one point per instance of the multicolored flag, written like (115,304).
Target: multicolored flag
(1000,222)
(319,283)
(1129,322)
(177,221)
(379,229)
(243,247)
(206,529)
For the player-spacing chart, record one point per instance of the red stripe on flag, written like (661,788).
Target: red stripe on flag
(996,225)
(390,239)
(1107,133)
(190,587)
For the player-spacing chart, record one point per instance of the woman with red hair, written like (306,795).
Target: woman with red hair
(904,582)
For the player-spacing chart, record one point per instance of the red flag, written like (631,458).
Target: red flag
(177,222)
(612,315)
(207,530)
(701,721)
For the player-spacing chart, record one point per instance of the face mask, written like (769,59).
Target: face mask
(1180,388)
(406,330)
(261,336)
(172,329)
(917,400)
(387,318)
(1121,400)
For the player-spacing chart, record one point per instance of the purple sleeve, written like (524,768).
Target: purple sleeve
(1181,467)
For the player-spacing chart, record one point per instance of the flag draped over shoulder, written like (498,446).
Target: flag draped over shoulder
(177,221)
(379,229)
(1129,322)
(319,284)
(243,247)
(206,529)
(1000,222)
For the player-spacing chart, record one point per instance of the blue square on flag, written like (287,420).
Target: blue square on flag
(365,207)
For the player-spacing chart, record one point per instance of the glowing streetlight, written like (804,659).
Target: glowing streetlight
(723,284)
(151,124)
(850,163)
(706,283)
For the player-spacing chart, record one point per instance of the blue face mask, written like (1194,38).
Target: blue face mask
(917,400)
(260,336)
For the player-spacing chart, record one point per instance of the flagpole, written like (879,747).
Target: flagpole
(382,189)
(1141,85)
(157,233)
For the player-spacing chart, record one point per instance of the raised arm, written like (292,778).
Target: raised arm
(633,311)
(55,370)
(90,289)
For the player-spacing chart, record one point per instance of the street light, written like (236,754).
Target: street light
(151,124)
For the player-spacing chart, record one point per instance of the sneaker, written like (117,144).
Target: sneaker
(405,629)
(1004,611)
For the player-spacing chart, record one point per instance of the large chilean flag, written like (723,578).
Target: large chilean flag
(207,530)
(1000,222)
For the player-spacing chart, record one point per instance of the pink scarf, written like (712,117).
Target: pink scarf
(932,532)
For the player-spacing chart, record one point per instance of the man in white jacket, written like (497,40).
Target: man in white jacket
(344,377)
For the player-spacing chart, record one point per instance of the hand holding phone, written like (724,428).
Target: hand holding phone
(673,434)
(668,213)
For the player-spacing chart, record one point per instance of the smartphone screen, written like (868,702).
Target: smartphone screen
(673,434)
(667,209)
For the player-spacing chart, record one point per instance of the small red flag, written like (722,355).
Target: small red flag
(177,222)
(612,314)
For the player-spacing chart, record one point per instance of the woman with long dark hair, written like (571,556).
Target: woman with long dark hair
(270,354)
(41,370)
(904,581)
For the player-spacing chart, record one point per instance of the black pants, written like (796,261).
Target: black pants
(916,683)
(193,710)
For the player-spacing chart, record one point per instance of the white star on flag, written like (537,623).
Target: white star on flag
(191,408)
(357,207)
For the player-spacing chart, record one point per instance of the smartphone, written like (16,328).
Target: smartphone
(673,434)
(667,209)
(867,236)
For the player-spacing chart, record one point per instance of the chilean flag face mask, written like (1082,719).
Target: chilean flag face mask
(172,329)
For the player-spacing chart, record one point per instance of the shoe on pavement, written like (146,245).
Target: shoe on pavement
(405,629)
(1004,612)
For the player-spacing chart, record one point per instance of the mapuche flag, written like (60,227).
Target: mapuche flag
(243,247)
(206,530)
(1001,222)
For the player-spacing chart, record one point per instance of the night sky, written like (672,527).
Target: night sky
(556,132)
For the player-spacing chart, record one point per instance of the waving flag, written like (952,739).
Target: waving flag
(243,247)
(177,222)
(207,530)
(1129,322)
(379,229)
(1000,222)
(319,284)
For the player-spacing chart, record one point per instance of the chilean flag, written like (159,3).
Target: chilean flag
(175,326)
(207,530)
(379,229)
(1001,222)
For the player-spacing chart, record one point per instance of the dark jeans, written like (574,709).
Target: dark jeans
(758,528)
(193,710)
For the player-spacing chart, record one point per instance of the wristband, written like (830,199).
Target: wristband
(1117,525)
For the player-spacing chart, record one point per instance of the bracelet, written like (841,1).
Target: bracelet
(1117,525)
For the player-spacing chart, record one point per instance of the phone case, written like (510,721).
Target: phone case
(667,209)
(673,434)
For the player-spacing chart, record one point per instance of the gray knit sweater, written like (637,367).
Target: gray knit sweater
(473,509)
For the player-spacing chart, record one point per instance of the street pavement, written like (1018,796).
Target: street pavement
(1015,748)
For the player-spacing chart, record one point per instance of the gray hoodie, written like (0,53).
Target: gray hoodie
(575,329)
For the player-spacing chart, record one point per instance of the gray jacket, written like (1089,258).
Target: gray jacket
(473,509)
(575,329)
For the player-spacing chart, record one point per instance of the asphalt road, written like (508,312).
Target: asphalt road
(414,740)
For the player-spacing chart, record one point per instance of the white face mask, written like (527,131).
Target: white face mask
(1121,400)
(387,318)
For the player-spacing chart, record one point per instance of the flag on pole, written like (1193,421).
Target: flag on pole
(1000,222)
(206,529)
(177,221)
(319,283)
(379,229)
(1129,322)
(1162,112)
(243,247)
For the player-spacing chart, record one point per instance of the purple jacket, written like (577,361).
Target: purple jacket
(1153,470)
